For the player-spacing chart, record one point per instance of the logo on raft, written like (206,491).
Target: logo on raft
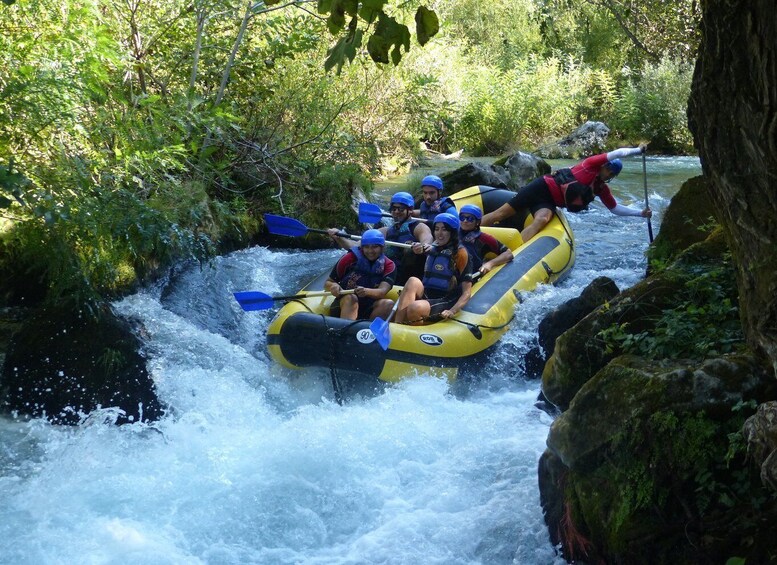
(430,339)
(365,336)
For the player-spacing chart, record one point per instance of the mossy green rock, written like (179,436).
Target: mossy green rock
(642,457)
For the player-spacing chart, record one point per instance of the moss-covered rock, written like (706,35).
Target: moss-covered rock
(647,467)
(689,219)
(674,303)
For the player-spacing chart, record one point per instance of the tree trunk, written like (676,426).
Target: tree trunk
(733,116)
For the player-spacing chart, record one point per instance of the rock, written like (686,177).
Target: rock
(689,219)
(564,317)
(760,433)
(588,139)
(511,173)
(62,365)
(641,458)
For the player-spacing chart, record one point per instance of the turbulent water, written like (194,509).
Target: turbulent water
(257,464)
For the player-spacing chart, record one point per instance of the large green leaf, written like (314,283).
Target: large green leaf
(371,9)
(426,24)
(345,48)
(391,36)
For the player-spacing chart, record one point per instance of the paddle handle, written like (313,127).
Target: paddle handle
(647,204)
(358,238)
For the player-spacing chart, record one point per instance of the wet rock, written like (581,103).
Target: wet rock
(62,365)
(564,317)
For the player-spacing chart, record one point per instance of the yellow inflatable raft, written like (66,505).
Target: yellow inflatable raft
(302,334)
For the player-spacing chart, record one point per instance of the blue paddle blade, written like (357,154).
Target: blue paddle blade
(281,225)
(380,329)
(253,300)
(369,213)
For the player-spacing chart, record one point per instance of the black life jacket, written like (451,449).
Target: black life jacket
(572,188)
(471,242)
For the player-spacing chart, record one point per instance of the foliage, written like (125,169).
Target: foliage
(653,106)
(141,132)
(704,322)
(542,98)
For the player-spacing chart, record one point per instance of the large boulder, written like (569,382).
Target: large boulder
(588,139)
(62,365)
(641,467)
(689,219)
(511,172)
(601,336)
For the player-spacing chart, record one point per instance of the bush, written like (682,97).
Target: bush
(653,106)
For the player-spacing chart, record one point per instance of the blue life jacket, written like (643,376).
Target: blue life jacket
(473,245)
(440,270)
(438,207)
(401,233)
(364,272)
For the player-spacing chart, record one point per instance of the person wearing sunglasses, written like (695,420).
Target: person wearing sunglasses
(447,282)
(479,244)
(433,202)
(403,229)
(571,188)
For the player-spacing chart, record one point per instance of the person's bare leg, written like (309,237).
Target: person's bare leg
(417,312)
(412,291)
(349,307)
(541,219)
(382,308)
(501,213)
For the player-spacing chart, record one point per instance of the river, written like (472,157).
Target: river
(258,464)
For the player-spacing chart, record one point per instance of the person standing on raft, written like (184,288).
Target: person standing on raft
(571,188)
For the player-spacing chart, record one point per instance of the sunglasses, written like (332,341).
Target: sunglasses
(467,218)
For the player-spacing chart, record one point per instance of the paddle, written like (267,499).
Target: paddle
(647,205)
(382,332)
(371,213)
(380,328)
(281,225)
(250,300)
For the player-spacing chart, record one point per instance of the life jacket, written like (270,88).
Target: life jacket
(428,212)
(471,242)
(572,188)
(400,233)
(364,272)
(440,272)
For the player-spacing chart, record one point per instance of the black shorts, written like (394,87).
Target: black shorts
(533,196)
(439,305)
(365,308)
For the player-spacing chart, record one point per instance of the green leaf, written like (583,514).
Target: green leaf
(5,202)
(388,35)
(426,24)
(371,9)
(345,48)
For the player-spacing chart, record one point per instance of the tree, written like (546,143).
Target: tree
(733,116)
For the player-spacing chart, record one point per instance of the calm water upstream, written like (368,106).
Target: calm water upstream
(255,464)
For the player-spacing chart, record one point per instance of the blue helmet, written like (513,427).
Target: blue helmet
(373,237)
(449,220)
(403,198)
(615,166)
(471,209)
(432,180)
